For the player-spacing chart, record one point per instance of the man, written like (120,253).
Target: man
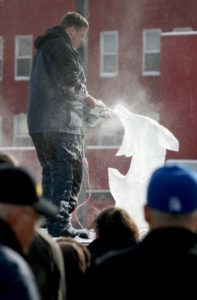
(58,100)
(20,209)
(165,261)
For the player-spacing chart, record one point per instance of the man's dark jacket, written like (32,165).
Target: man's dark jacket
(162,266)
(57,90)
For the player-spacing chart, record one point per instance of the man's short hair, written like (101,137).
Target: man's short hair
(73,19)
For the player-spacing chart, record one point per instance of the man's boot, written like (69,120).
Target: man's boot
(66,228)
(69,231)
(56,229)
(53,227)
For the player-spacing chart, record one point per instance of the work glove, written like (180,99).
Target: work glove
(102,110)
(97,114)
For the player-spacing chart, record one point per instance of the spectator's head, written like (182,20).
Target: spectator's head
(172,197)
(114,223)
(76,262)
(46,261)
(76,251)
(76,26)
(20,204)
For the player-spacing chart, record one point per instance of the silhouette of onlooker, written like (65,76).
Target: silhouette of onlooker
(114,230)
(165,261)
(76,262)
(20,209)
(44,256)
(46,260)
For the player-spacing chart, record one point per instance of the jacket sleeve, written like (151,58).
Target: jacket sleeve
(66,67)
(16,277)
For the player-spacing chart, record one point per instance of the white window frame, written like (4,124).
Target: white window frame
(103,34)
(1,131)
(149,51)
(1,57)
(182,29)
(20,57)
(23,136)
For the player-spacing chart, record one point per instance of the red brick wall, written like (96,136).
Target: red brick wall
(179,90)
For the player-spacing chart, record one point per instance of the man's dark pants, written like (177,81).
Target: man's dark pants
(60,156)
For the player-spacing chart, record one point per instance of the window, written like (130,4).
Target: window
(1,58)
(151,52)
(108,54)
(1,138)
(21,135)
(23,57)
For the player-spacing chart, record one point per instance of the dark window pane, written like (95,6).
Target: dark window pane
(23,67)
(109,64)
(152,62)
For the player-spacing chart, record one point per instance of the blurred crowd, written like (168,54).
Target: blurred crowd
(118,262)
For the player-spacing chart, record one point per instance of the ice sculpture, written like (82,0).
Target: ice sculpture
(146,141)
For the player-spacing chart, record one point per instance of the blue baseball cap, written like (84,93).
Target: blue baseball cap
(173,190)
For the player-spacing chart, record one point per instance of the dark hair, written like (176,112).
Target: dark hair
(76,258)
(75,253)
(73,19)
(114,222)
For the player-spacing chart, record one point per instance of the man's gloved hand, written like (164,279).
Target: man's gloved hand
(100,111)
(94,116)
